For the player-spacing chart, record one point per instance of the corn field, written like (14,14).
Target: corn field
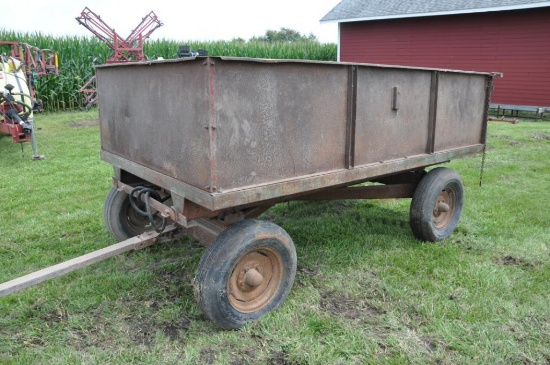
(78,55)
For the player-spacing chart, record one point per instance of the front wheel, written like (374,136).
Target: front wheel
(436,205)
(121,219)
(246,273)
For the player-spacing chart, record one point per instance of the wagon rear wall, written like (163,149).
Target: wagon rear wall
(225,132)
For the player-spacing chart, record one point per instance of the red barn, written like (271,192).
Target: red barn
(507,36)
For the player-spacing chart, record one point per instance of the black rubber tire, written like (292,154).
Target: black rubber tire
(224,263)
(441,187)
(120,218)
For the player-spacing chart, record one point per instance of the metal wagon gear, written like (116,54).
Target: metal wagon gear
(213,142)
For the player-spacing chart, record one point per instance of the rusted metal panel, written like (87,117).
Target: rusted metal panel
(364,192)
(461,104)
(278,122)
(383,132)
(156,117)
(228,132)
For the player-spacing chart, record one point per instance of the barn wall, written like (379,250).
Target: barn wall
(516,43)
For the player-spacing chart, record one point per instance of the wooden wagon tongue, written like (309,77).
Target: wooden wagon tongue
(135,243)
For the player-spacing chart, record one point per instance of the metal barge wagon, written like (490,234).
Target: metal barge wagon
(203,146)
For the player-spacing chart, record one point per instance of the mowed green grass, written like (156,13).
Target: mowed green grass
(366,291)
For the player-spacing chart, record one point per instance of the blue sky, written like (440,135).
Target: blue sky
(183,20)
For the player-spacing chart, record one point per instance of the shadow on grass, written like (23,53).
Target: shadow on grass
(345,220)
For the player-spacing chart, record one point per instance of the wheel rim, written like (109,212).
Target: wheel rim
(255,280)
(444,209)
(135,222)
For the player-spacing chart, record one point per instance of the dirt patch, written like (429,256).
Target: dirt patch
(280,358)
(513,261)
(309,272)
(55,316)
(95,335)
(339,305)
(173,330)
(208,356)
(543,136)
(144,332)
(509,260)
(175,284)
(244,356)
(304,275)
(458,294)
(85,123)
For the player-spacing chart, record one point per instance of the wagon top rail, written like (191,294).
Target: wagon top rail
(280,60)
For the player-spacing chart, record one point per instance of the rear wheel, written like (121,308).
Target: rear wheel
(436,205)
(246,273)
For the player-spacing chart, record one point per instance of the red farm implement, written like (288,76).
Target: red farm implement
(20,66)
(124,50)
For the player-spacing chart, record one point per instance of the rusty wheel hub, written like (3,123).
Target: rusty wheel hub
(255,280)
(444,208)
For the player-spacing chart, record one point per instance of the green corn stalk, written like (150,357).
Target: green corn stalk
(78,55)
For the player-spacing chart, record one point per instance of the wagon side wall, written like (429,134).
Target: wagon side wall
(156,117)
(278,122)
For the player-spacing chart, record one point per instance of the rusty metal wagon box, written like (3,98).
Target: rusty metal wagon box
(231,131)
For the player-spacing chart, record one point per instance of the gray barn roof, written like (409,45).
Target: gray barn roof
(361,10)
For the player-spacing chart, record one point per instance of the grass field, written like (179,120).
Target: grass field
(366,291)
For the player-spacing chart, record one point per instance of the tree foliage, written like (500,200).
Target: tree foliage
(285,35)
